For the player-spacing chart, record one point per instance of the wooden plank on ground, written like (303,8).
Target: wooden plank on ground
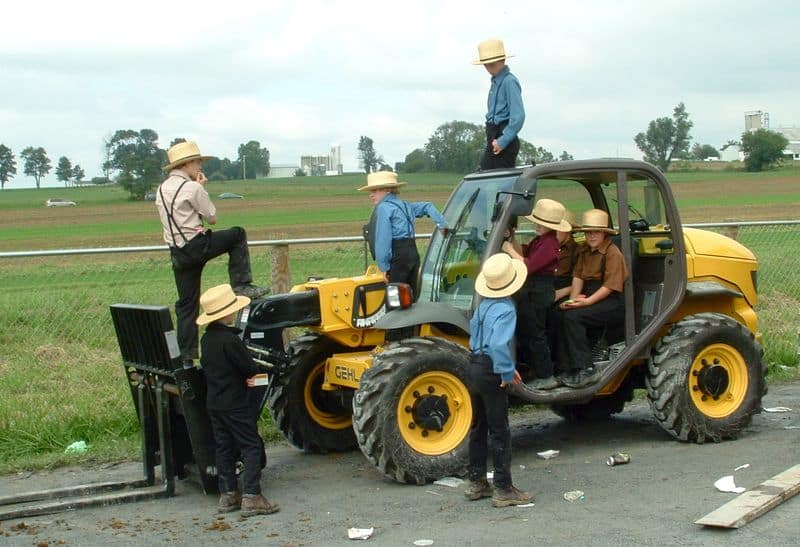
(755,502)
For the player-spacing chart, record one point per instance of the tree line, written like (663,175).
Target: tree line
(134,160)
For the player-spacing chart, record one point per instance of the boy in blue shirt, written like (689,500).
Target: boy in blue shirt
(390,232)
(492,368)
(505,112)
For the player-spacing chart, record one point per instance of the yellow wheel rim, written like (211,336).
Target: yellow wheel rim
(445,395)
(718,380)
(317,404)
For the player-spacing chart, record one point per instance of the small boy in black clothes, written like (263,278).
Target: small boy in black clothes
(228,366)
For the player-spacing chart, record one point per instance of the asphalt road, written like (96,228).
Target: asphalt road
(654,500)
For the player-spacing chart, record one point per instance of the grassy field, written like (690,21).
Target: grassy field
(60,372)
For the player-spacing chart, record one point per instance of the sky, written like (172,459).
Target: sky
(301,76)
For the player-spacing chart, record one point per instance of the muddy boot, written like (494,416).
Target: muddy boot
(256,504)
(505,497)
(229,501)
(478,489)
(250,291)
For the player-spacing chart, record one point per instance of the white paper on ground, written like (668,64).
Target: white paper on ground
(548,454)
(360,533)
(743,466)
(525,505)
(777,409)
(423,542)
(490,475)
(726,484)
(452,482)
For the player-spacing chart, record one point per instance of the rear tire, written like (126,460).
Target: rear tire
(706,378)
(412,412)
(312,419)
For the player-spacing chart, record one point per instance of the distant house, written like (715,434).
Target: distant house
(282,170)
(731,152)
(792,135)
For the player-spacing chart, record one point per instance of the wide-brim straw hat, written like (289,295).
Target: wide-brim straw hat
(550,214)
(183,152)
(596,220)
(490,51)
(382,180)
(218,302)
(501,276)
(570,217)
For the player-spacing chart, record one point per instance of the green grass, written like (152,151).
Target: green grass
(61,377)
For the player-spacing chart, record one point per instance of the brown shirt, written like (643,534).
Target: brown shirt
(590,265)
(191,206)
(567,256)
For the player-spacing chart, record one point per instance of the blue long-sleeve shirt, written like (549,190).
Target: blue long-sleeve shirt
(505,103)
(492,328)
(395,220)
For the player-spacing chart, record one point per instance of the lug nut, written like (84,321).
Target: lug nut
(411,425)
(424,432)
(408,409)
(431,389)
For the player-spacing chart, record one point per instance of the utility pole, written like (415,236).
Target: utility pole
(244,167)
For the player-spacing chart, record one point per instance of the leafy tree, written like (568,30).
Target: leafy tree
(37,164)
(99,180)
(175,141)
(254,160)
(299,173)
(666,138)
(137,159)
(367,155)
(565,156)
(77,174)
(762,149)
(530,154)
(385,167)
(703,151)
(730,143)
(8,165)
(416,161)
(64,170)
(456,147)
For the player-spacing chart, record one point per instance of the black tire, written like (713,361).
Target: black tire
(401,451)
(599,409)
(317,422)
(706,378)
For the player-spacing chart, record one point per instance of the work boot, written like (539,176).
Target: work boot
(478,489)
(505,497)
(229,501)
(584,377)
(256,504)
(544,383)
(250,291)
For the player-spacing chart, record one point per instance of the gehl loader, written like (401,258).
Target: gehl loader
(690,335)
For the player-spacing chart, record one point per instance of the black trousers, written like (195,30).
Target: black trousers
(489,421)
(404,266)
(187,266)
(507,157)
(236,434)
(575,351)
(534,300)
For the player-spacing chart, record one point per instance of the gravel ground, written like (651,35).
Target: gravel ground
(654,500)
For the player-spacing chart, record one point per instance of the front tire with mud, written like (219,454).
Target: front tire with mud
(412,412)
(312,419)
(706,378)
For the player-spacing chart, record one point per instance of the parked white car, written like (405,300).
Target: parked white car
(59,202)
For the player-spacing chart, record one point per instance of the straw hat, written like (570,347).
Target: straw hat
(570,217)
(182,152)
(596,220)
(382,180)
(550,214)
(218,302)
(490,51)
(500,276)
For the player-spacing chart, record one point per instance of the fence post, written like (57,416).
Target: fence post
(279,266)
(731,231)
